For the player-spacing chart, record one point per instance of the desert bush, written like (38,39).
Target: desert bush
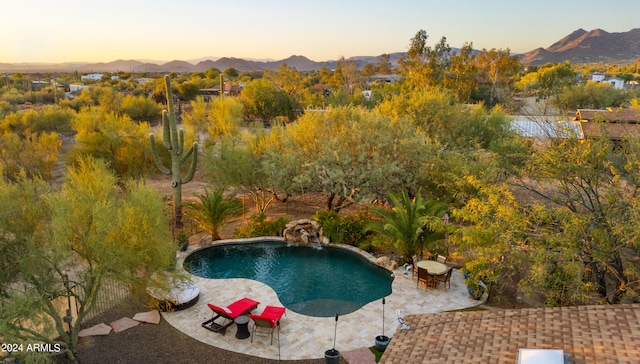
(260,225)
(348,229)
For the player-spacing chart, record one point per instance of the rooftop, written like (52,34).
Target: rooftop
(586,334)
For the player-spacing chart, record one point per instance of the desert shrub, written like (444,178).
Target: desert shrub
(260,225)
(13,96)
(349,229)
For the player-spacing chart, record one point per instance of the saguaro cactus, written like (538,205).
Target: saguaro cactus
(173,141)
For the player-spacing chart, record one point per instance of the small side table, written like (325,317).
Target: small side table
(242,325)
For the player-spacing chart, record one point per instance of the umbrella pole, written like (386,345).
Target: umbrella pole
(382,316)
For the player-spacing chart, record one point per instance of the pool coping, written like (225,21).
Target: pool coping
(351,248)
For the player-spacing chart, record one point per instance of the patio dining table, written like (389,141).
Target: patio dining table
(434,268)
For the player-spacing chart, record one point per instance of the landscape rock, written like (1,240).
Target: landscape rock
(96,330)
(123,324)
(151,317)
(387,262)
(206,241)
(304,232)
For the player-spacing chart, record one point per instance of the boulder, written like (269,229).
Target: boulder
(386,262)
(206,241)
(392,265)
(303,231)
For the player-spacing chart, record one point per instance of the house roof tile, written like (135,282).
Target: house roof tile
(587,334)
(621,115)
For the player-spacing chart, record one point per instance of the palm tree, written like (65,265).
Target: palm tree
(213,210)
(409,223)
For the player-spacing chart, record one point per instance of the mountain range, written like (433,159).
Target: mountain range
(578,47)
(589,47)
(300,63)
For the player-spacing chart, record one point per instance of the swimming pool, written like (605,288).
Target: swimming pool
(310,281)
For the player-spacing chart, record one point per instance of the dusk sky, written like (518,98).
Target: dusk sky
(161,30)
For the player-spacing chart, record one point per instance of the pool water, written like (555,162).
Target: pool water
(310,281)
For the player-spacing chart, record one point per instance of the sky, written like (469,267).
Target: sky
(56,31)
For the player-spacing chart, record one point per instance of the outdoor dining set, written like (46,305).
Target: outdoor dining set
(432,272)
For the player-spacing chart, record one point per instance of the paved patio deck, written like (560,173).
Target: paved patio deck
(305,337)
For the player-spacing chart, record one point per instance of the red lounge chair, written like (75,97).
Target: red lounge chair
(230,313)
(269,319)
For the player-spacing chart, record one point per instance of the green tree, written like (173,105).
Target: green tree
(106,98)
(213,74)
(494,235)
(69,243)
(140,108)
(45,119)
(240,166)
(347,75)
(368,69)
(423,66)
(384,66)
(213,210)
(231,72)
(571,234)
(188,90)
(548,80)
(217,119)
(334,153)
(409,224)
(591,188)
(497,70)
(286,79)
(32,154)
(591,95)
(413,63)
(264,102)
(116,139)
(462,77)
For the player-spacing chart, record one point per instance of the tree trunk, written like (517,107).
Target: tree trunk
(330,201)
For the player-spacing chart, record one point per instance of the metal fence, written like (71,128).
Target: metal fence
(110,295)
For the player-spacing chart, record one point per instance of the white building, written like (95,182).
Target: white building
(77,87)
(617,83)
(596,77)
(92,76)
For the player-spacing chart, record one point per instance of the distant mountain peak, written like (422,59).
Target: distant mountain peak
(581,46)
(297,57)
(597,33)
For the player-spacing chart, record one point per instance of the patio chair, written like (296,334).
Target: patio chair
(267,321)
(424,276)
(416,259)
(444,278)
(240,307)
(441,259)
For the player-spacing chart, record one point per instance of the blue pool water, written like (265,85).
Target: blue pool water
(310,281)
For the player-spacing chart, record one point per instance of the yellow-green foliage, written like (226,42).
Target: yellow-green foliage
(217,118)
(140,108)
(116,139)
(88,232)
